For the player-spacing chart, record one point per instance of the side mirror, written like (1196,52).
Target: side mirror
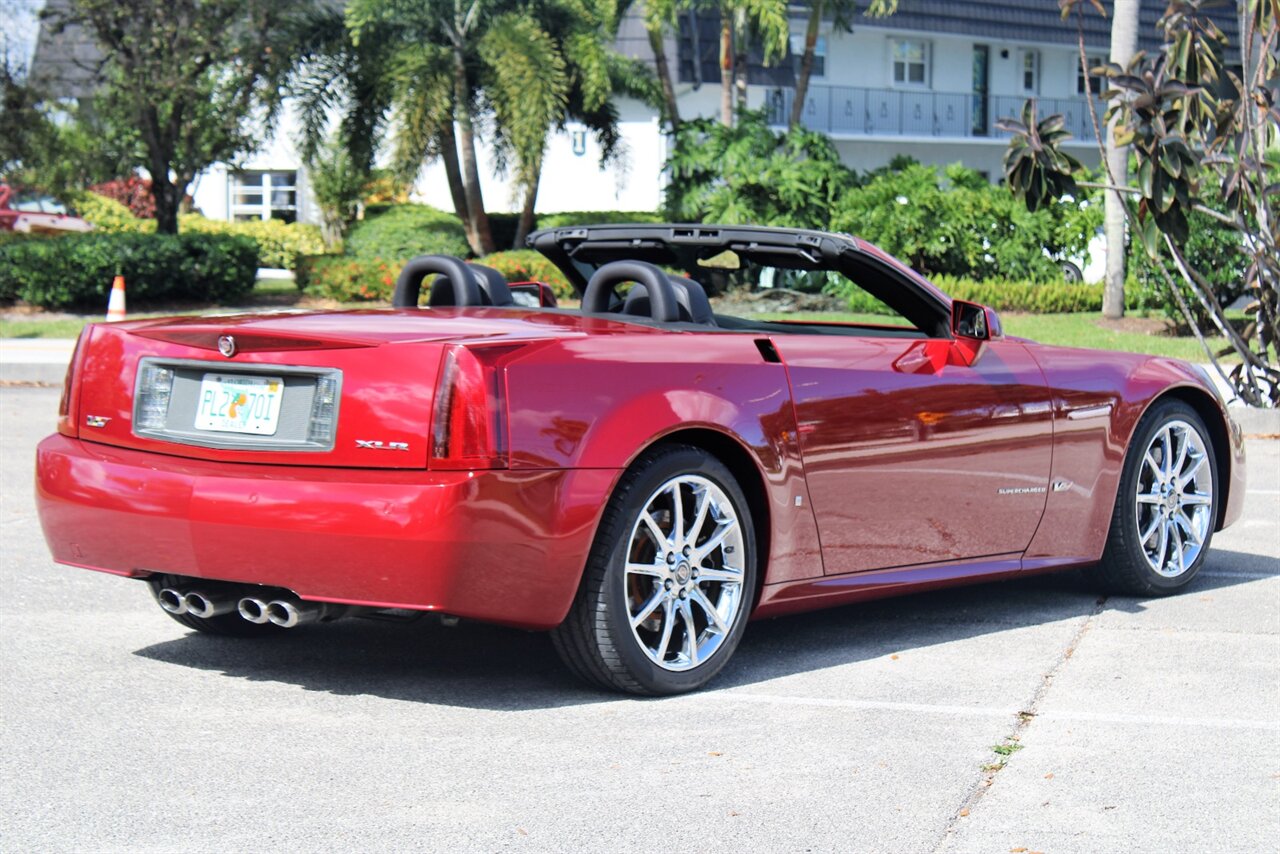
(533,295)
(973,321)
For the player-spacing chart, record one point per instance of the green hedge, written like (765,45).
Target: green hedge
(280,244)
(568,218)
(352,279)
(347,279)
(526,265)
(1033,297)
(400,232)
(77,270)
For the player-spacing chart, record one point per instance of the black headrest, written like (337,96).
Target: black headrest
(694,307)
(493,285)
(409,285)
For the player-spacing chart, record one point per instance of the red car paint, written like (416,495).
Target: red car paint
(36,213)
(881,464)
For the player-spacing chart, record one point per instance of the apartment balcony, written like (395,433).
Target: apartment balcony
(850,111)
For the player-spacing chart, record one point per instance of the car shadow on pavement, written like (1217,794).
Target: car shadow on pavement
(494,668)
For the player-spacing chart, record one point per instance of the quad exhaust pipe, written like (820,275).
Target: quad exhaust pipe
(197,603)
(285,611)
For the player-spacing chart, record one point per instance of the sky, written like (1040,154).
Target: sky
(18,26)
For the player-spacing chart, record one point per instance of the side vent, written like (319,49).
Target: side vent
(768,352)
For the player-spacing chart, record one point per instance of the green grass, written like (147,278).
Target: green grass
(1068,330)
(1072,330)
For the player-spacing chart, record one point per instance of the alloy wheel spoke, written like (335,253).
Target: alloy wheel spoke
(1197,463)
(655,570)
(725,573)
(668,623)
(1167,455)
(1189,527)
(677,516)
(659,539)
(1163,546)
(690,632)
(646,610)
(1146,535)
(1182,452)
(717,539)
(714,616)
(699,516)
(1195,499)
(1176,539)
(1153,465)
(1150,498)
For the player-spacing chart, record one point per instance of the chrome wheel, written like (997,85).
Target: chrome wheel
(1174,500)
(684,572)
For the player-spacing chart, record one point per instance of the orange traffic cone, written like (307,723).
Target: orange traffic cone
(115,306)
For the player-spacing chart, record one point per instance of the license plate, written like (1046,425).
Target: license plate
(239,404)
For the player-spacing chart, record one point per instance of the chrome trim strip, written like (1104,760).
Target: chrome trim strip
(1089,412)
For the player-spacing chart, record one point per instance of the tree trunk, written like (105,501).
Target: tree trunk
(806,62)
(1124,43)
(467,152)
(453,174)
(740,42)
(525,225)
(726,67)
(663,69)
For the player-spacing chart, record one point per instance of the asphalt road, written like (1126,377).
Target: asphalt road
(1143,725)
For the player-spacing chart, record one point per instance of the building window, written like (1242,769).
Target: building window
(1095,80)
(264,195)
(910,62)
(819,54)
(1031,71)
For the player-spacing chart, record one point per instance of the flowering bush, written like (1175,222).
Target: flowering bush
(132,192)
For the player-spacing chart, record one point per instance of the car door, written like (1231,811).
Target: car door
(912,458)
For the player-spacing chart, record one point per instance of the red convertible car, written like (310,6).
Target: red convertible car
(640,477)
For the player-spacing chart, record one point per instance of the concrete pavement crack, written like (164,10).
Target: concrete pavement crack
(1029,712)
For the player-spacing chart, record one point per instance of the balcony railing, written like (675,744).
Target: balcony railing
(851,110)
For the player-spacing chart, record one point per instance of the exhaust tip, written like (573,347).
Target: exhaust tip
(200,604)
(172,601)
(282,613)
(254,610)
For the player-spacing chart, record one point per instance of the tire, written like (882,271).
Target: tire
(225,625)
(668,576)
(1152,547)
(1071,273)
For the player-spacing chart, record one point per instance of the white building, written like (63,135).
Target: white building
(928,82)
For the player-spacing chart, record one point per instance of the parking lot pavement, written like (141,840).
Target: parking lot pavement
(1135,725)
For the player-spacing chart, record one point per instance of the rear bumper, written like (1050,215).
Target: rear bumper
(504,547)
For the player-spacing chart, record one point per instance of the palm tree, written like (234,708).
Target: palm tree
(739,19)
(659,19)
(842,12)
(1124,44)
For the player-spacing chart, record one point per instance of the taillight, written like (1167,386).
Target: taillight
(68,408)
(469,425)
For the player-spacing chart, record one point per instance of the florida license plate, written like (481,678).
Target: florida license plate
(239,404)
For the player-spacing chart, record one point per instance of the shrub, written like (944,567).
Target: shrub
(526,265)
(280,244)
(568,218)
(109,215)
(401,232)
(954,222)
(1034,297)
(348,279)
(77,270)
(132,192)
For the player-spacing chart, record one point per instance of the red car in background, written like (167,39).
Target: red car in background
(641,476)
(33,212)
